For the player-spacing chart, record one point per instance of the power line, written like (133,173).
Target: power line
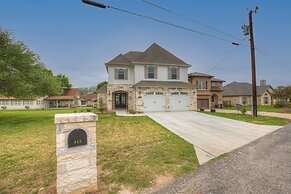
(172,24)
(99,5)
(225,57)
(190,19)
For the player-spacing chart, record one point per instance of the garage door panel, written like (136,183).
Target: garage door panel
(154,102)
(202,103)
(179,102)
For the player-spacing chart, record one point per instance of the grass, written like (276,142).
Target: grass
(218,157)
(261,120)
(130,151)
(266,108)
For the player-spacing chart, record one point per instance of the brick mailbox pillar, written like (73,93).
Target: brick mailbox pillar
(76,152)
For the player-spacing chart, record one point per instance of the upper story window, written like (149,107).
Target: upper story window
(201,85)
(151,72)
(121,74)
(173,73)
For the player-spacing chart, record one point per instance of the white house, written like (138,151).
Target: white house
(153,80)
(11,103)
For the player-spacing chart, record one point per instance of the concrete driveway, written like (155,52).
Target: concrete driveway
(210,135)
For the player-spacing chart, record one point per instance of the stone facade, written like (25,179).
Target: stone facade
(76,166)
(101,96)
(126,88)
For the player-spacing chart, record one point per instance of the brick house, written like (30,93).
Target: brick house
(209,90)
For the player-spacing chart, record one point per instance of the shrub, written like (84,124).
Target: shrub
(243,110)
(280,104)
(101,106)
(88,110)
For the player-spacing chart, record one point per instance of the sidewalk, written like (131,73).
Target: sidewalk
(270,114)
(124,113)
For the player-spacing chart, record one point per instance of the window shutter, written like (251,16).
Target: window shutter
(145,71)
(178,73)
(169,72)
(126,74)
(115,73)
(156,73)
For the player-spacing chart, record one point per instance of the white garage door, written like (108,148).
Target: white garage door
(154,101)
(179,101)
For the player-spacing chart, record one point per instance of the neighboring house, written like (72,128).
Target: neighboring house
(11,103)
(88,99)
(153,80)
(209,90)
(70,98)
(241,93)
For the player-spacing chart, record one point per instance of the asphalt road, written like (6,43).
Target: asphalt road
(263,166)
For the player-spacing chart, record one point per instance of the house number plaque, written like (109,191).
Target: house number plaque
(77,137)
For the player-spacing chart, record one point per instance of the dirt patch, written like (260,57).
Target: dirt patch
(52,189)
(163,180)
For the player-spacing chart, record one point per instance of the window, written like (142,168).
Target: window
(201,85)
(150,72)
(16,102)
(173,73)
(120,74)
(39,102)
(183,93)
(27,102)
(4,102)
(266,100)
(159,93)
(244,100)
(149,93)
(175,93)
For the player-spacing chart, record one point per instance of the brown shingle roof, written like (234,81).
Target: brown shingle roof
(71,92)
(216,80)
(242,89)
(152,55)
(197,74)
(91,96)
(60,98)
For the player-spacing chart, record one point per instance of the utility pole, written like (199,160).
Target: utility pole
(253,61)
(248,30)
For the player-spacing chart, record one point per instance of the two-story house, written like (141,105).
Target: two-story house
(209,90)
(153,80)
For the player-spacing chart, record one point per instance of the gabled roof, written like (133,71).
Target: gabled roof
(197,74)
(102,89)
(174,84)
(216,80)
(69,94)
(120,59)
(243,89)
(89,97)
(152,55)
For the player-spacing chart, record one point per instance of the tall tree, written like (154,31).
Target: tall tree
(283,93)
(64,81)
(22,73)
(99,85)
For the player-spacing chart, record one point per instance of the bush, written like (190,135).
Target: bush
(280,104)
(101,106)
(243,110)
(88,110)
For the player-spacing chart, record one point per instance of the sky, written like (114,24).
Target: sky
(77,40)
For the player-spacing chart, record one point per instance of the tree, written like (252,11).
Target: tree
(64,81)
(283,93)
(22,73)
(99,85)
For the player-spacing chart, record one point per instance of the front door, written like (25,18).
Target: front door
(120,100)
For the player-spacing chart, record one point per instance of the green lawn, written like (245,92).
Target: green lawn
(261,120)
(131,151)
(266,108)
